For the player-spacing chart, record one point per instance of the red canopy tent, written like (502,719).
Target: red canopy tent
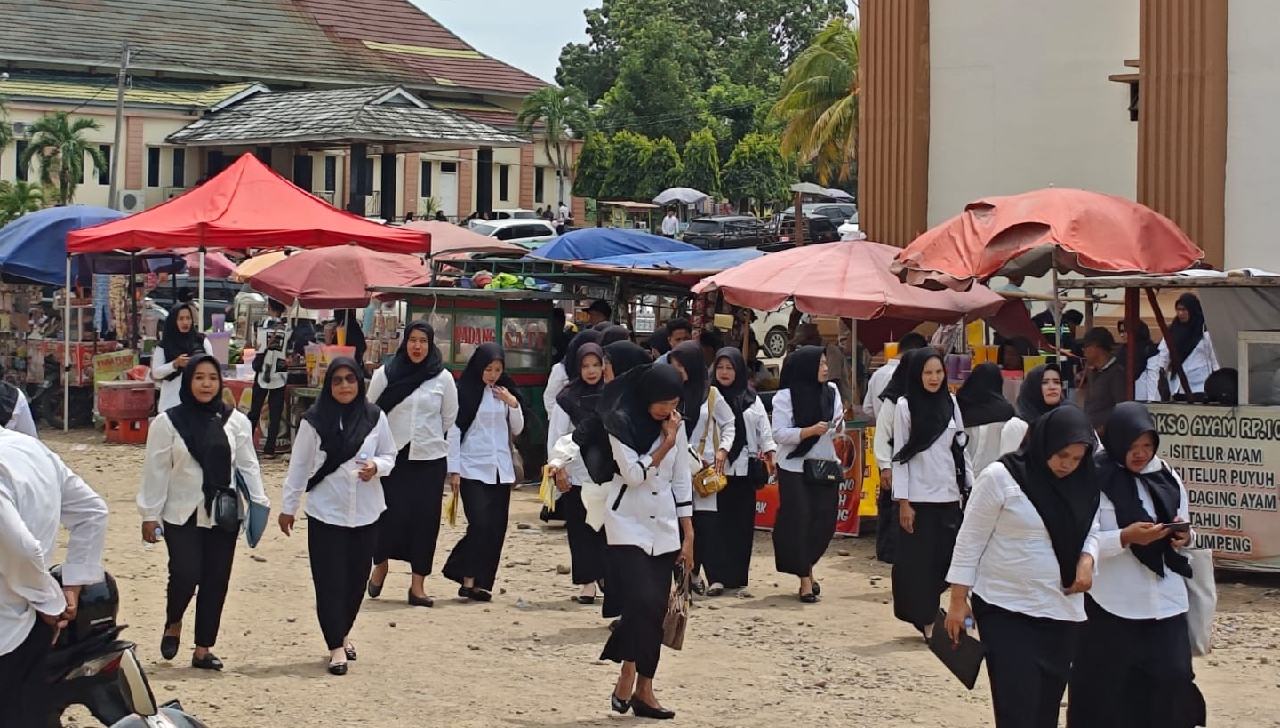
(449,241)
(338,277)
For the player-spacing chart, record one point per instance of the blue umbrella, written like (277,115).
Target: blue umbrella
(35,245)
(592,243)
(711,261)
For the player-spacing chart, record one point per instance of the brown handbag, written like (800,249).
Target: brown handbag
(677,617)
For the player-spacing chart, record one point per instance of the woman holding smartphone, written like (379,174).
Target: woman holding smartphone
(180,342)
(481,470)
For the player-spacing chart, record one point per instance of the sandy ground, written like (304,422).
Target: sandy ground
(529,658)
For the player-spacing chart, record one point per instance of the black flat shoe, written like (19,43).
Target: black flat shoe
(613,626)
(619,705)
(466,592)
(168,647)
(817,588)
(584,599)
(351,652)
(809,598)
(208,662)
(416,601)
(481,595)
(715,590)
(643,710)
(374,590)
(338,668)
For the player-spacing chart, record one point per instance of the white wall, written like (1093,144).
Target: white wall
(1253,146)
(1020,98)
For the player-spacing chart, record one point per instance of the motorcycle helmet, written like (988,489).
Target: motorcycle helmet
(97,610)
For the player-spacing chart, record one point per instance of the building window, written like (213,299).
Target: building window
(302,166)
(424,179)
(366,184)
(263,154)
(19,169)
(504,181)
(539,184)
(448,168)
(179,168)
(330,173)
(104,174)
(153,166)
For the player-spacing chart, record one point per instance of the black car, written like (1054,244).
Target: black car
(728,231)
(219,294)
(840,212)
(816,230)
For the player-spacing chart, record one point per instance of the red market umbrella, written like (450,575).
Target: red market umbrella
(449,240)
(1032,233)
(848,279)
(247,205)
(216,265)
(337,277)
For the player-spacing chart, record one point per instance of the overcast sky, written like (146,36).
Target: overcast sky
(527,34)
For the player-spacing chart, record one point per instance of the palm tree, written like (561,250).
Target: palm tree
(563,115)
(19,198)
(818,104)
(58,142)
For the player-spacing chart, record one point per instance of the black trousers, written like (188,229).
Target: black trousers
(274,399)
(643,594)
(409,528)
(340,559)
(921,560)
(730,562)
(886,525)
(1133,673)
(478,553)
(21,694)
(708,550)
(805,523)
(586,545)
(199,565)
(1028,659)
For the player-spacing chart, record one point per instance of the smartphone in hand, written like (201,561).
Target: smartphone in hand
(1179,527)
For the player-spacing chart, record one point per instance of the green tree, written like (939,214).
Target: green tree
(593,166)
(628,157)
(819,104)
(756,173)
(656,92)
(58,142)
(702,163)
(662,169)
(19,198)
(6,129)
(562,114)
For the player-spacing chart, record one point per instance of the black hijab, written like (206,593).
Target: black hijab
(812,400)
(1184,338)
(737,394)
(624,404)
(176,343)
(355,334)
(601,325)
(586,336)
(689,354)
(615,332)
(342,427)
(1067,505)
(200,424)
(589,434)
(578,399)
(981,397)
(471,384)
(931,412)
(896,389)
(658,341)
(8,402)
(1128,422)
(403,376)
(624,356)
(1031,404)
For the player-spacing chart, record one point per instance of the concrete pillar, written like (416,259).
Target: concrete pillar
(466,183)
(412,165)
(528,168)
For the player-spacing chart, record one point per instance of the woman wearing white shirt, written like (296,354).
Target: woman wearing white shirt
(1146,368)
(985,412)
(1191,344)
(344,443)
(15,410)
(575,406)
(560,376)
(1134,669)
(420,400)
(1025,556)
(649,524)
(930,476)
(179,343)
(481,470)
(882,447)
(1041,392)
(807,414)
(193,452)
(736,505)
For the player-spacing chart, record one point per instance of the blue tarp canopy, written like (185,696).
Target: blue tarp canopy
(683,260)
(590,244)
(34,247)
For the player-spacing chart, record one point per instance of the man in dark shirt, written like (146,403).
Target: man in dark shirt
(1104,385)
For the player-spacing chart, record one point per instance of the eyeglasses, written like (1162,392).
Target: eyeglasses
(345,379)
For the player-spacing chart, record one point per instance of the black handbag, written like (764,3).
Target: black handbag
(823,472)
(225,511)
(757,473)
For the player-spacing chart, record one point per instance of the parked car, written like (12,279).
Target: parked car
(816,230)
(841,212)
(770,329)
(727,231)
(513,213)
(219,295)
(525,232)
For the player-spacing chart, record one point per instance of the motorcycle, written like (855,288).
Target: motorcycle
(90,665)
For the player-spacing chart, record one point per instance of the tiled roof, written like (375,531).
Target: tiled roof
(372,114)
(102,90)
(295,41)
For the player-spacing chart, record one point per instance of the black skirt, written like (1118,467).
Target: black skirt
(921,561)
(1028,659)
(409,528)
(586,544)
(478,553)
(805,523)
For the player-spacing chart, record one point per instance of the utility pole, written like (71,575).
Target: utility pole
(113,199)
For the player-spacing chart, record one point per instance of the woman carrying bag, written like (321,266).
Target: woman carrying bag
(1025,557)
(1134,665)
(481,469)
(807,414)
(180,342)
(194,451)
(649,524)
(420,400)
(344,444)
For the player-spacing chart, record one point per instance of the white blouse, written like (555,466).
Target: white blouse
(882,444)
(21,419)
(1123,585)
(560,425)
(719,438)
(342,498)
(985,443)
(1202,362)
(645,503)
(787,435)
(485,453)
(1004,553)
(1012,434)
(759,439)
(171,478)
(421,420)
(556,382)
(929,476)
(161,367)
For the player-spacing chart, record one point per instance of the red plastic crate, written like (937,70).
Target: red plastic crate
(127,431)
(126,400)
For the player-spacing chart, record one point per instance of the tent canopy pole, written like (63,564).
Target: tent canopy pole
(66,353)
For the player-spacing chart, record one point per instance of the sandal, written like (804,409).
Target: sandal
(351,652)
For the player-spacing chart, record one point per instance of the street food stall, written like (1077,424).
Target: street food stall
(630,215)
